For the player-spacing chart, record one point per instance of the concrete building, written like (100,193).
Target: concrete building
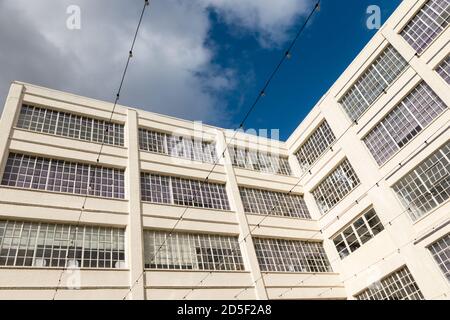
(97,203)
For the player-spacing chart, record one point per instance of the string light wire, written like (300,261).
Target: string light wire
(437,133)
(262,93)
(116,100)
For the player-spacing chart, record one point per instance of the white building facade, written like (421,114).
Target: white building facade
(110,202)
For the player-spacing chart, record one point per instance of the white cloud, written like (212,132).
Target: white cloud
(172,71)
(268,19)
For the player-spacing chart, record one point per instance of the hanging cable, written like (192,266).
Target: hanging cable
(377,184)
(398,250)
(262,92)
(352,124)
(91,182)
(337,218)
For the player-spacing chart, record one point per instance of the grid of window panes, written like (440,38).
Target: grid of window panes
(359,232)
(405,121)
(443,69)
(441,253)
(70,125)
(335,187)
(185,192)
(427,24)
(259,161)
(278,255)
(322,138)
(369,86)
(273,203)
(177,146)
(178,251)
(36,244)
(30,172)
(399,285)
(428,185)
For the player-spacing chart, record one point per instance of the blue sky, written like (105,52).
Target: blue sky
(333,39)
(203,60)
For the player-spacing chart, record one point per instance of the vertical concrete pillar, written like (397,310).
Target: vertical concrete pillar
(10,111)
(432,78)
(134,229)
(247,247)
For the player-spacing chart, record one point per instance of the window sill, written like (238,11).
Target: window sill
(278,216)
(62,193)
(299,272)
(266,173)
(195,271)
(180,158)
(188,207)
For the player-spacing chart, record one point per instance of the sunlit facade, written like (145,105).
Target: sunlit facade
(130,204)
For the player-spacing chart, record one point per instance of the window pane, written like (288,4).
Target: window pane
(444,69)
(371,84)
(427,24)
(335,186)
(30,172)
(322,138)
(279,255)
(427,186)
(404,122)
(352,240)
(374,222)
(274,203)
(178,251)
(399,285)
(365,230)
(341,247)
(177,146)
(184,192)
(259,161)
(35,244)
(70,125)
(441,253)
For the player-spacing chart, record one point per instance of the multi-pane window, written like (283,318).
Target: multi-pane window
(322,138)
(335,187)
(277,255)
(36,244)
(30,172)
(177,146)
(359,232)
(443,69)
(178,251)
(273,203)
(441,253)
(427,24)
(399,285)
(185,192)
(404,122)
(70,125)
(371,84)
(428,185)
(259,161)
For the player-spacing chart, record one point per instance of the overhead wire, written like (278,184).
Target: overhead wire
(90,187)
(426,142)
(262,92)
